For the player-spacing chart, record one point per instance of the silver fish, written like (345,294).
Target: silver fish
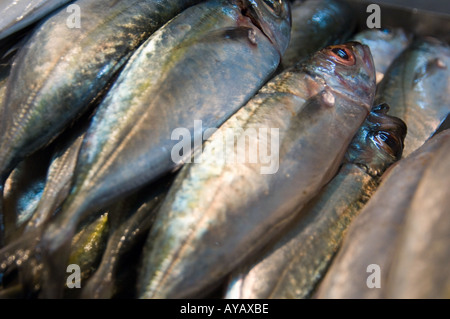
(420,267)
(372,237)
(417,87)
(220,210)
(385,45)
(297,261)
(222,50)
(62,69)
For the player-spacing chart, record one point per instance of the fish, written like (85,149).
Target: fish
(61,70)
(417,87)
(292,266)
(221,208)
(315,25)
(105,282)
(419,268)
(19,14)
(231,48)
(369,246)
(385,45)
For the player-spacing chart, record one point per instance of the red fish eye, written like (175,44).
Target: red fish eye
(343,55)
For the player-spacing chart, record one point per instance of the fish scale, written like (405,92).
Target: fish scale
(60,71)
(155,94)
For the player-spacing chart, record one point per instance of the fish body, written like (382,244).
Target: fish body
(58,179)
(129,143)
(417,87)
(220,210)
(19,14)
(315,25)
(372,237)
(293,265)
(423,247)
(385,45)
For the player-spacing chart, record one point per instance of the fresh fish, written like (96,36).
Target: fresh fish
(19,14)
(417,87)
(222,50)
(220,210)
(420,266)
(61,69)
(104,282)
(295,263)
(385,45)
(315,25)
(369,245)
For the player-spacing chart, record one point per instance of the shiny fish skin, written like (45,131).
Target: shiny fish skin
(87,248)
(372,237)
(417,87)
(295,263)
(60,70)
(420,266)
(128,143)
(385,45)
(315,25)
(19,14)
(216,214)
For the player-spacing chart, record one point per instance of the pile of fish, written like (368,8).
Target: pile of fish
(220,149)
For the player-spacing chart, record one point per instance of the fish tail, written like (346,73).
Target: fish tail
(56,247)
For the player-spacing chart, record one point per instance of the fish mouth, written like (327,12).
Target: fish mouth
(247,8)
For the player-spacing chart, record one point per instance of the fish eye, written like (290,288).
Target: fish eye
(274,6)
(388,142)
(343,55)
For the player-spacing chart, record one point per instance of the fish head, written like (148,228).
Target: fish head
(347,69)
(378,143)
(272,17)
